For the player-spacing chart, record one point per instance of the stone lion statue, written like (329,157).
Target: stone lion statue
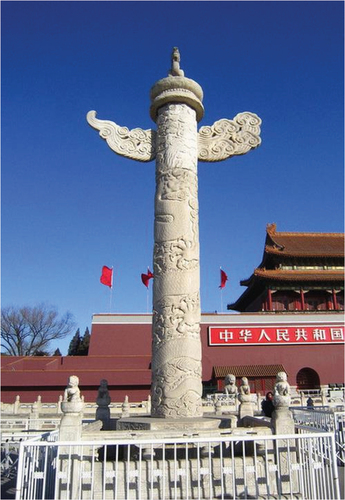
(244,391)
(72,391)
(281,395)
(230,385)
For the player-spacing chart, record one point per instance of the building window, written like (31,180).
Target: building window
(284,301)
(315,301)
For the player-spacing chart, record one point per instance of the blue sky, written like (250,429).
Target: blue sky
(70,205)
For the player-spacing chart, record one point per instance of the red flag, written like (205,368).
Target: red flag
(107,276)
(145,278)
(223,279)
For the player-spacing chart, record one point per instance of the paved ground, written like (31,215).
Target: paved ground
(8,488)
(341,472)
(8,485)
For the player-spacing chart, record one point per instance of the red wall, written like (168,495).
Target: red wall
(121,353)
(130,339)
(327,360)
(48,376)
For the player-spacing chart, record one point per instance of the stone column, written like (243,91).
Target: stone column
(16,405)
(324,392)
(176,108)
(59,411)
(176,346)
(35,415)
(125,410)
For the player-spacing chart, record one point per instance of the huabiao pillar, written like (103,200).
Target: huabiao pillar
(176,108)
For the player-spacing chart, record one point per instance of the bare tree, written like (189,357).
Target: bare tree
(27,330)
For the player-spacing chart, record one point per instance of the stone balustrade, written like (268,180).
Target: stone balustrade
(325,398)
(90,408)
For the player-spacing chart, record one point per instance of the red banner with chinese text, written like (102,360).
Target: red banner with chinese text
(275,334)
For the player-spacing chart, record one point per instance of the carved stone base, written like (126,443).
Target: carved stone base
(183,425)
(246,409)
(103,414)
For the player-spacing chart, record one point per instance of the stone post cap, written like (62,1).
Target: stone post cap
(176,88)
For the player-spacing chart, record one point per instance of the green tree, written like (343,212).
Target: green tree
(57,352)
(26,330)
(74,344)
(84,343)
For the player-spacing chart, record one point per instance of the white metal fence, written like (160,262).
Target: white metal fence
(10,444)
(325,420)
(286,466)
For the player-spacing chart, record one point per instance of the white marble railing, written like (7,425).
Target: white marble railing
(329,398)
(90,408)
(23,423)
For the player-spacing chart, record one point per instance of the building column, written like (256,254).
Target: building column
(335,302)
(269,299)
(329,300)
(302,300)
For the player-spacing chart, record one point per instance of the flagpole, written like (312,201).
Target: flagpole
(145,278)
(111,289)
(147,296)
(111,299)
(221,293)
(223,280)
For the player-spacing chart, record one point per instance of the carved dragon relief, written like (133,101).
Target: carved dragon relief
(186,405)
(174,372)
(177,255)
(137,144)
(176,317)
(177,387)
(176,147)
